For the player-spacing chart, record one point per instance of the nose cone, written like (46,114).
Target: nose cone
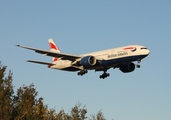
(148,52)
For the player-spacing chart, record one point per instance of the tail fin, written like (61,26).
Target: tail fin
(53,48)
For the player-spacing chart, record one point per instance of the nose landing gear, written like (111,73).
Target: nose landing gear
(138,64)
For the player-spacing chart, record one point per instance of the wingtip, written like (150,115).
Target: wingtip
(17,45)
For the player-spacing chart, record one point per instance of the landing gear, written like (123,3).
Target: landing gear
(82,72)
(138,64)
(104,75)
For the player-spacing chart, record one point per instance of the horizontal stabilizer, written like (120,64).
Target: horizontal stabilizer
(39,62)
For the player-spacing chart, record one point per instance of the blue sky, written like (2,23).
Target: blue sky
(85,26)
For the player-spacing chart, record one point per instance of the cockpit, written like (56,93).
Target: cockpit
(143,48)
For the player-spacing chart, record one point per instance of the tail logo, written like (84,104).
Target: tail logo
(52,46)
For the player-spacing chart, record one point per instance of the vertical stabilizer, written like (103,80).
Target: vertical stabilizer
(53,48)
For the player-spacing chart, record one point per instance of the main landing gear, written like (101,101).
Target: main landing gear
(82,72)
(104,75)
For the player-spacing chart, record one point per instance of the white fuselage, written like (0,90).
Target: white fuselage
(110,57)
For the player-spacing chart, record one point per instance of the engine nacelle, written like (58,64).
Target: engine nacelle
(127,67)
(88,61)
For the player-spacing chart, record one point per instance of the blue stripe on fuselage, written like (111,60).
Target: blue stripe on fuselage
(121,60)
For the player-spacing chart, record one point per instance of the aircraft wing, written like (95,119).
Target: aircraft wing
(63,56)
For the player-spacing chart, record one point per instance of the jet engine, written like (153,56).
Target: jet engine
(127,67)
(88,61)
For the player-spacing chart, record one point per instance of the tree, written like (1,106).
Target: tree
(6,94)
(60,115)
(40,110)
(78,113)
(98,116)
(26,106)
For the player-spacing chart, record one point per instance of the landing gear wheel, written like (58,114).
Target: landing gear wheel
(79,73)
(82,72)
(138,66)
(104,75)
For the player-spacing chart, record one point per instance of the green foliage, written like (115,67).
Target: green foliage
(98,116)
(78,113)
(26,106)
(6,94)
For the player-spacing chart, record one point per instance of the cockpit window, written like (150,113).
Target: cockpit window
(143,48)
(132,49)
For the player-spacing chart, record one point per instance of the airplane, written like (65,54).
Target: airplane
(121,57)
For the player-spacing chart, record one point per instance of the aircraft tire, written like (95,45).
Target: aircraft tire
(138,66)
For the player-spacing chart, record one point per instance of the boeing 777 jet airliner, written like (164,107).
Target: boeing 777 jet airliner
(121,57)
